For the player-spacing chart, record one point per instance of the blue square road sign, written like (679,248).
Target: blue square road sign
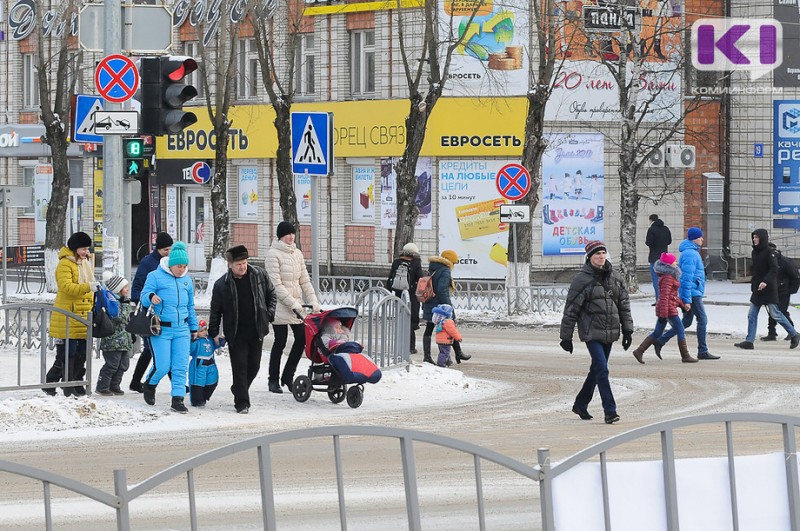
(312,143)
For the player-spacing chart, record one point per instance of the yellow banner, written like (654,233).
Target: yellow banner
(458,127)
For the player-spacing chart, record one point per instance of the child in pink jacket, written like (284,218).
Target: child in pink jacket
(446,333)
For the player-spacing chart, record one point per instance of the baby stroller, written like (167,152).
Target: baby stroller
(332,372)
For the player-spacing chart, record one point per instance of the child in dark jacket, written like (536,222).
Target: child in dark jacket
(446,333)
(669,275)
(116,347)
(203,373)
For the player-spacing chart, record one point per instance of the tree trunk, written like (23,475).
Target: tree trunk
(283,167)
(406,169)
(629,192)
(56,215)
(219,193)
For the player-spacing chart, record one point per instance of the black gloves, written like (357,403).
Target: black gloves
(567,345)
(627,337)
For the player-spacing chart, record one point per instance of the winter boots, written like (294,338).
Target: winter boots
(149,393)
(426,349)
(684,350)
(177,405)
(641,349)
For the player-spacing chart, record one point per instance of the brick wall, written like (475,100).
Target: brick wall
(245,234)
(705,131)
(359,243)
(27,231)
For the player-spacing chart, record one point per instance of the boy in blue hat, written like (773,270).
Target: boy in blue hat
(446,333)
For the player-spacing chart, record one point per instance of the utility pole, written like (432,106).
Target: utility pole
(114,234)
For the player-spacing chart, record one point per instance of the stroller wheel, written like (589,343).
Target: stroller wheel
(301,389)
(337,395)
(355,395)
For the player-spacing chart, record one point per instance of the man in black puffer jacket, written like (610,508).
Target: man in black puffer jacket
(764,288)
(244,302)
(598,304)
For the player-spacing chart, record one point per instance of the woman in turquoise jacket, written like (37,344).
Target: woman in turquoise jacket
(170,291)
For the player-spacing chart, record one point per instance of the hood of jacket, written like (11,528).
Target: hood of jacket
(658,223)
(411,255)
(281,245)
(665,269)
(66,252)
(599,272)
(164,264)
(688,245)
(439,260)
(763,238)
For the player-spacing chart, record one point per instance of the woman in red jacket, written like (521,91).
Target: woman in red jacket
(669,275)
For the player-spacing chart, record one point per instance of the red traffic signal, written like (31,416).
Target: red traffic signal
(163,94)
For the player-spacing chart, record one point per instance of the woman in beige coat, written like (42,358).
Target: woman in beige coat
(287,272)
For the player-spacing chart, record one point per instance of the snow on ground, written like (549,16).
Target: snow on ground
(31,415)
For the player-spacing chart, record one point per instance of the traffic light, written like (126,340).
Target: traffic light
(163,94)
(133,157)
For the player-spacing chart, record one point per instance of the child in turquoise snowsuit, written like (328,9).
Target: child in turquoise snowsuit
(203,373)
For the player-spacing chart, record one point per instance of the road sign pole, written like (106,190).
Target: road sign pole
(315,231)
(112,155)
(516,267)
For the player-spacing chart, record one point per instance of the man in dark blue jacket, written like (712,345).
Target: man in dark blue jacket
(148,264)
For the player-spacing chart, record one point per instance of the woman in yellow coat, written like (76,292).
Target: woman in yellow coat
(76,284)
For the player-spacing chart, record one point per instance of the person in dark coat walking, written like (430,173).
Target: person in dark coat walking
(597,303)
(148,264)
(788,284)
(658,239)
(409,258)
(244,301)
(440,268)
(764,289)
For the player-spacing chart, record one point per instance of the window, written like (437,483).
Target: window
(247,70)
(27,180)
(304,65)
(362,61)
(192,49)
(30,81)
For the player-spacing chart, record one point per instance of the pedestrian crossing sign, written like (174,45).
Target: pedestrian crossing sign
(312,143)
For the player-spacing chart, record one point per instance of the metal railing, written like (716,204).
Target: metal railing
(544,473)
(478,295)
(666,430)
(383,326)
(26,326)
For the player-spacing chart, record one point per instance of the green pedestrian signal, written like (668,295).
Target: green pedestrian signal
(133,167)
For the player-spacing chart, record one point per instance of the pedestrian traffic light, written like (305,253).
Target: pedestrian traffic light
(163,94)
(133,157)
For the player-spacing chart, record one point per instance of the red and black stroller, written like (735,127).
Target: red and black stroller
(332,372)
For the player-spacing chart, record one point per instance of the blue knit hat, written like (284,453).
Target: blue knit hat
(444,309)
(693,233)
(178,255)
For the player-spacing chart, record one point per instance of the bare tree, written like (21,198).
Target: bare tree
(276,36)
(217,37)
(647,122)
(57,70)
(426,65)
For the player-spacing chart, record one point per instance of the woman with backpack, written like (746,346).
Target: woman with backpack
(404,275)
(441,278)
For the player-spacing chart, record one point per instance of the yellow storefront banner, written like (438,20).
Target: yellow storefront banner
(458,127)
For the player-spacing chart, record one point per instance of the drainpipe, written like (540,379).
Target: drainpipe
(726,163)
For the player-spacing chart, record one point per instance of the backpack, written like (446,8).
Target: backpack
(104,299)
(425,291)
(400,280)
(792,277)
(102,326)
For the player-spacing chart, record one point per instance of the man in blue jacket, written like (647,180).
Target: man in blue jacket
(691,292)
(148,264)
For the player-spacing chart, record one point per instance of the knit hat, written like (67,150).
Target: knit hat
(202,324)
(234,254)
(411,248)
(284,228)
(178,255)
(163,240)
(114,282)
(668,258)
(693,233)
(450,255)
(594,246)
(443,309)
(79,240)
